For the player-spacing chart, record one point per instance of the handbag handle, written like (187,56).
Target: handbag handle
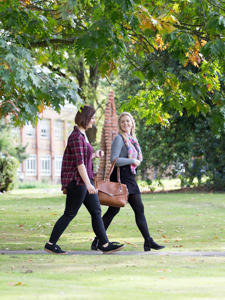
(111,169)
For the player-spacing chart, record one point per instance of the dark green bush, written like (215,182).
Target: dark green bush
(187,148)
(8,173)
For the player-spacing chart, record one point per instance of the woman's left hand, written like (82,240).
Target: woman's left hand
(137,162)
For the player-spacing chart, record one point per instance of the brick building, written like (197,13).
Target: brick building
(45,145)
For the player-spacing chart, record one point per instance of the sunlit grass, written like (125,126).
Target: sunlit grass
(183,222)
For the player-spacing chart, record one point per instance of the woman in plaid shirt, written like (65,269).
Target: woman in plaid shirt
(77,180)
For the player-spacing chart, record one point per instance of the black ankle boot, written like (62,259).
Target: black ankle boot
(150,244)
(95,244)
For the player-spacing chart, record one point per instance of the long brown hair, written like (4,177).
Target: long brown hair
(125,113)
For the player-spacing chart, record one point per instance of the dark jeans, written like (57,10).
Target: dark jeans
(76,195)
(138,208)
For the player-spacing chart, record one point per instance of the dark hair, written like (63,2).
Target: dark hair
(84,115)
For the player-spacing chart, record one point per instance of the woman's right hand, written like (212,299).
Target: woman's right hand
(91,189)
(136,162)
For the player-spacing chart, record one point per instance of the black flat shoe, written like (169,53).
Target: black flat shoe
(95,246)
(111,248)
(53,249)
(151,244)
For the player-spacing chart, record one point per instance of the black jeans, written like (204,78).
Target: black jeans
(138,208)
(76,195)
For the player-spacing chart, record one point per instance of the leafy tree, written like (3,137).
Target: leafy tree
(186,147)
(177,46)
(182,59)
(10,156)
(8,170)
(8,148)
(26,85)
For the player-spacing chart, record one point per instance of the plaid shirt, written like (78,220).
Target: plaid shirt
(77,152)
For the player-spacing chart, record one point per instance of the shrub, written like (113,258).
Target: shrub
(8,172)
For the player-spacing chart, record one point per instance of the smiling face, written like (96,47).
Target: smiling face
(126,124)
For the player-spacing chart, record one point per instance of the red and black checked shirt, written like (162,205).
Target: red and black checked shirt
(77,152)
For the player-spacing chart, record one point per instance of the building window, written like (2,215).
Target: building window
(59,129)
(29,130)
(45,165)
(58,165)
(45,128)
(31,165)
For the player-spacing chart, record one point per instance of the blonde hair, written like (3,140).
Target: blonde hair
(125,113)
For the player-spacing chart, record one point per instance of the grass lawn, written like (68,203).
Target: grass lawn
(182,222)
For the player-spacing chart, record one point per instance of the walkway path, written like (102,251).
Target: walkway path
(161,253)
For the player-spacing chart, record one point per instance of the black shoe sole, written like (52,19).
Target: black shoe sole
(96,249)
(149,248)
(114,250)
(52,252)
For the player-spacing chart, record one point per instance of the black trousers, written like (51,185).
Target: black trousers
(76,195)
(138,208)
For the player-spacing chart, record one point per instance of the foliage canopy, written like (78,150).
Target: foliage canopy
(177,47)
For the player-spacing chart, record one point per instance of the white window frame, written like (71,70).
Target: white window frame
(30,130)
(45,162)
(58,165)
(31,165)
(58,129)
(44,129)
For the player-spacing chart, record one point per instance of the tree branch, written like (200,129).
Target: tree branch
(37,44)
(40,8)
(132,62)
(191,25)
(218,6)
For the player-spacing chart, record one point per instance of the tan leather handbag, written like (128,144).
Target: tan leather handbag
(112,193)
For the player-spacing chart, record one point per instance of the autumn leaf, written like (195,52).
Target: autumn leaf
(166,23)
(19,283)
(60,28)
(145,19)
(176,8)
(25,2)
(159,44)
(41,107)
(203,42)
(160,119)
(164,270)
(6,65)
(132,244)
(194,55)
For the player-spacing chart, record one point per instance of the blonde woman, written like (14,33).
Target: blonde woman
(126,148)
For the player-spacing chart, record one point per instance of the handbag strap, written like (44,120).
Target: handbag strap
(111,169)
